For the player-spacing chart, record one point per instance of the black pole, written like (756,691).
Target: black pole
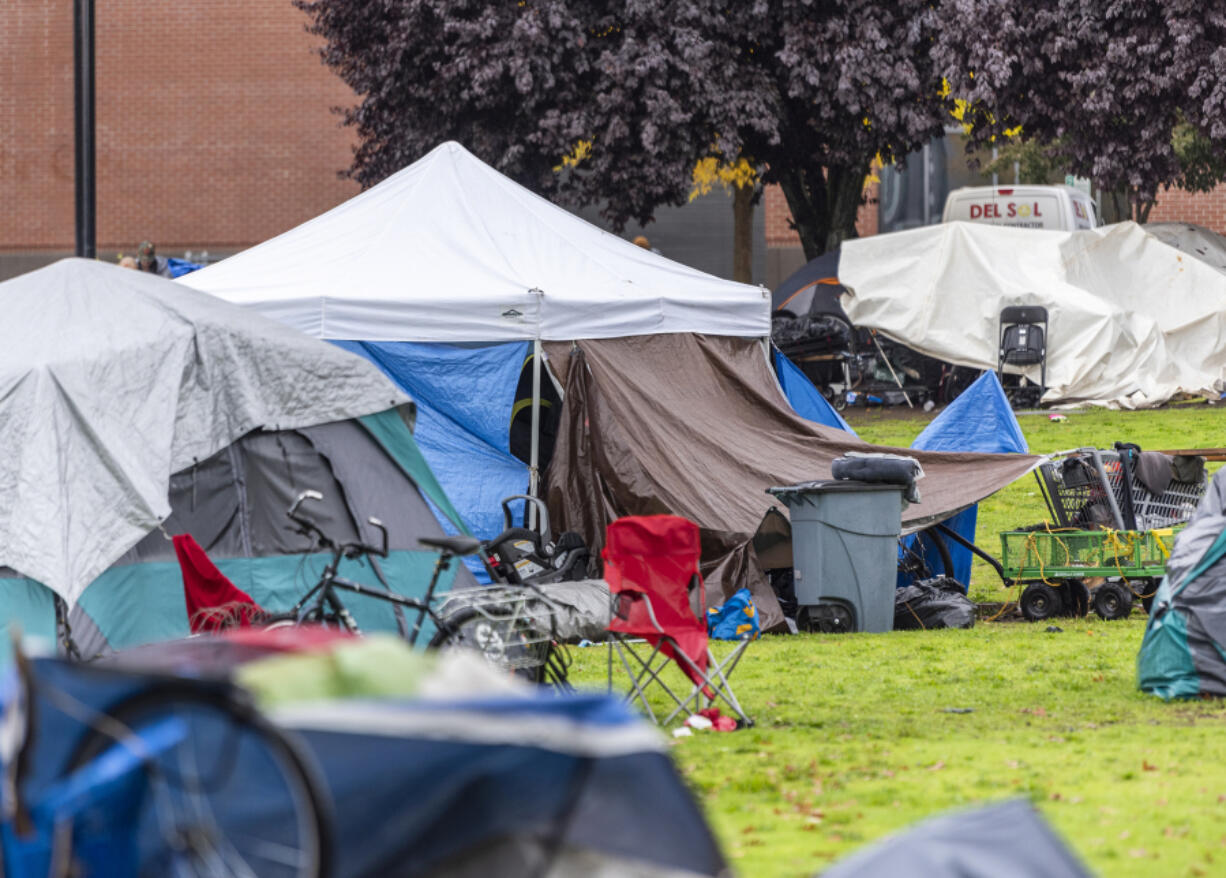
(83,102)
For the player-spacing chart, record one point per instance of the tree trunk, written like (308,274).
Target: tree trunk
(824,204)
(742,234)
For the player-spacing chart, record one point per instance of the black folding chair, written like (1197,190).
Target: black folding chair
(1023,343)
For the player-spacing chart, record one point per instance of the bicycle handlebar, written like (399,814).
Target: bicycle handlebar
(308,528)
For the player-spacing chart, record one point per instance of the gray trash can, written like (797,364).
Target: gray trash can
(844,553)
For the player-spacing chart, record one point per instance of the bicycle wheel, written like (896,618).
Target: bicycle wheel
(236,796)
(279,620)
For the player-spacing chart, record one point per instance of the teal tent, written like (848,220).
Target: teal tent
(1183,654)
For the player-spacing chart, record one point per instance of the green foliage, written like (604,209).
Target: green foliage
(1202,166)
(1036,163)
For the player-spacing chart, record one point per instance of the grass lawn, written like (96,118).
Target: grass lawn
(856,735)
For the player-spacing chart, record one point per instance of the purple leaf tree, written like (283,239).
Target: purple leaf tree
(636,92)
(1130,93)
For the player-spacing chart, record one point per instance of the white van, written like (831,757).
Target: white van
(1062,208)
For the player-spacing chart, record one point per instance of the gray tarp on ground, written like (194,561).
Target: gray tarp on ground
(1006,840)
(111,380)
(697,426)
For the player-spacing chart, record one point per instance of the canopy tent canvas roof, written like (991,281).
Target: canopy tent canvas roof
(450,250)
(1134,321)
(111,380)
(697,426)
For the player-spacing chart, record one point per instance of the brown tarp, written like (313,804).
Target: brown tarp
(697,426)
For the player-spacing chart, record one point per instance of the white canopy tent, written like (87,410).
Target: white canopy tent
(1134,321)
(449,250)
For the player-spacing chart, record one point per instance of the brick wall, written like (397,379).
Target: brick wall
(1205,209)
(780,234)
(213,124)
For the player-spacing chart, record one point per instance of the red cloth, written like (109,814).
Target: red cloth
(657,556)
(207,588)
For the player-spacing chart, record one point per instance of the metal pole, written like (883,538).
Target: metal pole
(83,102)
(534,476)
(888,365)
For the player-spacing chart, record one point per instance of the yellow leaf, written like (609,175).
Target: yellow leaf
(582,150)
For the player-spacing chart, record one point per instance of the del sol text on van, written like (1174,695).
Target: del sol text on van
(1012,209)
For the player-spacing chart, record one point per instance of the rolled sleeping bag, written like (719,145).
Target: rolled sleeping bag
(880,468)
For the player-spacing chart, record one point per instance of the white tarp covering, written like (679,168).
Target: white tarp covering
(1133,320)
(111,380)
(1205,244)
(450,250)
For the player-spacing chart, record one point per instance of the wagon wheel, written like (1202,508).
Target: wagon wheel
(1112,601)
(1041,601)
(1076,598)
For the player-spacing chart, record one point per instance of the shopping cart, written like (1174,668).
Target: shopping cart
(1091,488)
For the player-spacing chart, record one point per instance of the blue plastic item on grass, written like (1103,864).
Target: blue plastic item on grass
(737,619)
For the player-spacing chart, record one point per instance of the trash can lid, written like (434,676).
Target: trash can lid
(831,486)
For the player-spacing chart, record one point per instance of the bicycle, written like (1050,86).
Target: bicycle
(229,793)
(495,621)
(322,606)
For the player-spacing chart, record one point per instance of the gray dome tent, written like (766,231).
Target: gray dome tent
(132,405)
(1008,839)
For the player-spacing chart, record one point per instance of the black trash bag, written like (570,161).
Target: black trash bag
(784,585)
(933,603)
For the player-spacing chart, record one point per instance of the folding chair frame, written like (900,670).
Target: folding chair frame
(714,683)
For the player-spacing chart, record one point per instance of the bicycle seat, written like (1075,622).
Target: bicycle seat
(454,545)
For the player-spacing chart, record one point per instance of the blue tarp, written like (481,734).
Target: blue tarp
(805,399)
(464,435)
(180,267)
(981,419)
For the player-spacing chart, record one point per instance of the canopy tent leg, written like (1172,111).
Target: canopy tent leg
(534,476)
(890,366)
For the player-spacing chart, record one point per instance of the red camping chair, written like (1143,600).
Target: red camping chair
(651,565)
(213,601)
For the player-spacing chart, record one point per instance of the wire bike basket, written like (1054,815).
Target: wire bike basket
(511,626)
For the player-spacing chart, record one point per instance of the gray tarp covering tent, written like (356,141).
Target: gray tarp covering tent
(1183,654)
(1006,840)
(697,426)
(129,401)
